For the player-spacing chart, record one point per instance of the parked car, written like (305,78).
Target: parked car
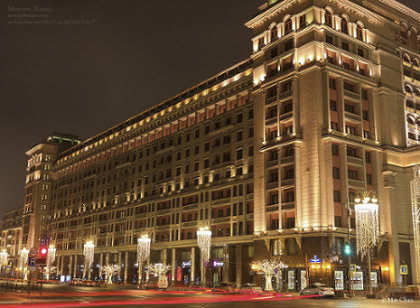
(76,282)
(318,289)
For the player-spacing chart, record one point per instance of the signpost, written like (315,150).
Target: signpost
(404,269)
(315,259)
(352,267)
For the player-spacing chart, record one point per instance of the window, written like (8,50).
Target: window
(351,152)
(272,92)
(367,157)
(239,154)
(337,196)
(333,84)
(353,174)
(250,132)
(333,105)
(361,52)
(344,26)
(349,108)
(369,179)
(328,18)
(239,118)
(364,94)
(288,26)
(336,173)
(334,149)
(345,45)
(329,39)
(289,174)
(365,115)
(348,87)
(302,21)
(239,136)
(288,45)
(334,126)
(359,32)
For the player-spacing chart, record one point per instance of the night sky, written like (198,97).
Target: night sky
(80,67)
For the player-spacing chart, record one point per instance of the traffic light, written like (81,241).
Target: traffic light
(347,249)
(42,256)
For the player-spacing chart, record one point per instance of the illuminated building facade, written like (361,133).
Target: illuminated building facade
(265,154)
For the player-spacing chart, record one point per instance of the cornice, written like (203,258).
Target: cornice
(401,8)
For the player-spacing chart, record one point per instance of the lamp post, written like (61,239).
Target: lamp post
(367,228)
(204,243)
(143,252)
(23,260)
(50,261)
(88,252)
(347,248)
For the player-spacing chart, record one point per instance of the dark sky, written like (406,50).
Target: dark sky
(96,63)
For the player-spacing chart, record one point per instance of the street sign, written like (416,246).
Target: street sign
(44,241)
(31,264)
(403,269)
(352,267)
(33,252)
(315,259)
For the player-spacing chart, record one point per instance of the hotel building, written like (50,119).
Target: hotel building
(266,154)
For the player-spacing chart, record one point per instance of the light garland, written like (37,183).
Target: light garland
(3,257)
(204,243)
(143,253)
(415,204)
(268,267)
(88,252)
(23,258)
(50,261)
(109,271)
(367,224)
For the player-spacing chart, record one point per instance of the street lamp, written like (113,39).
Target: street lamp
(88,252)
(367,228)
(143,252)
(23,260)
(204,243)
(50,260)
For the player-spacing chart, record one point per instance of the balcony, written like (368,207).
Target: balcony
(356,183)
(188,224)
(351,94)
(220,220)
(354,160)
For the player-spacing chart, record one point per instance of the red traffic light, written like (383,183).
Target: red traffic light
(44,251)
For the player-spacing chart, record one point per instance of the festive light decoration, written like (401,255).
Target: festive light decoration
(367,228)
(109,271)
(204,243)
(143,252)
(415,204)
(3,257)
(268,267)
(88,252)
(367,223)
(50,261)
(160,270)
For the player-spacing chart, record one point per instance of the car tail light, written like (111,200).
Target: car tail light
(324,290)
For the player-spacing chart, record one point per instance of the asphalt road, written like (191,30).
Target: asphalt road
(113,297)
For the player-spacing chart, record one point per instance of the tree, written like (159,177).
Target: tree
(268,267)
(160,270)
(109,271)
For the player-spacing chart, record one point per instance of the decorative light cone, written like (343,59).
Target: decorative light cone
(50,261)
(143,253)
(204,244)
(367,228)
(23,260)
(415,204)
(160,270)
(88,252)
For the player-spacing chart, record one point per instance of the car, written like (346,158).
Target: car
(76,282)
(318,289)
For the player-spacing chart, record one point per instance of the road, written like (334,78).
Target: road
(113,297)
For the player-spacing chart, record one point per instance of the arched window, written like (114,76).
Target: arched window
(413,40)
(404,35)
(410,120)
(344,26)
(359,32)
(274,33)
(415,62)
(288,26)
(406,58)
(328,18)
(408,89)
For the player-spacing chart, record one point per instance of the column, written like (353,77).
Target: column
(125,266)
(119,263)
(101,264)
(226,264)
(192,265)
(61,265)
(173,264)
(75,266)
(148,272)
(238,259)
(70,265)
